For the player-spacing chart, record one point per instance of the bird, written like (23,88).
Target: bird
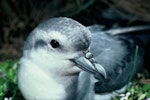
(46,68)
(65,60)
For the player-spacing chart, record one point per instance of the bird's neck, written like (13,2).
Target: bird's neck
(45,82)
(68,82)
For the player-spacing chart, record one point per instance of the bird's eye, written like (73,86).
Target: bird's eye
(54,43)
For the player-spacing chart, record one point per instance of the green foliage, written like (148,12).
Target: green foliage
(139,91)
(8,83)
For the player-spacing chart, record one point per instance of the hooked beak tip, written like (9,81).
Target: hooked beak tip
(88,64)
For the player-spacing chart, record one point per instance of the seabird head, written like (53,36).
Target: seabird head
(56,40)
(46,68)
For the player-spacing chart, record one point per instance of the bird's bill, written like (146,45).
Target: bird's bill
(88,65)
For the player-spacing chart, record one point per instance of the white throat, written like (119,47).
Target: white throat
(47,81)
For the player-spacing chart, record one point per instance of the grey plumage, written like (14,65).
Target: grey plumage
(51,72)
(116,54)
(46,72)
(62,25)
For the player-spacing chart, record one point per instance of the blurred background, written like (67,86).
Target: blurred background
(19,17)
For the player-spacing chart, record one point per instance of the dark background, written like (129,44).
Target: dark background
(19,17)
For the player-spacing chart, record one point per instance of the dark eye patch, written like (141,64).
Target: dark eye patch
(40,43)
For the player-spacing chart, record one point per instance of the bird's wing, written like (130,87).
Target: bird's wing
(113,63)
(116,55)
(116,31)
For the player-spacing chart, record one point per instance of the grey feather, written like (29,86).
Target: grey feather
(116,54)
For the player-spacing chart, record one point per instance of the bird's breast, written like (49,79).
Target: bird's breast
(36,84)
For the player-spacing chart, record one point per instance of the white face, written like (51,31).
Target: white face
(47,58)
(53,51)
(54,43)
